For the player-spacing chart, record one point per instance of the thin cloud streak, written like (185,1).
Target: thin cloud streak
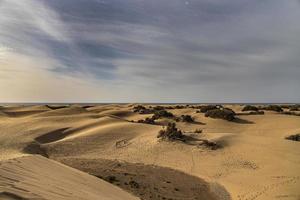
(159,51)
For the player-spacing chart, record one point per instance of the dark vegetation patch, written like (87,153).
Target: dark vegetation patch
(250,108)
(295,137)
(186,118)
(171,133)
(141,109)
(198,131)
(224,113)
(162,114)
(209,144)
(275,108)
(55,107)
(204,109)
(148,120)
(111,179)
(294,107)
(290,113)
(260,112)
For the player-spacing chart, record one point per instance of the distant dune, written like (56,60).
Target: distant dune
(247,157)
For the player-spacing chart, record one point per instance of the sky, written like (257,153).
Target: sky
(150,51)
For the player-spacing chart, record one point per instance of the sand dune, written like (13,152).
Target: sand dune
(253,159)
(35,177)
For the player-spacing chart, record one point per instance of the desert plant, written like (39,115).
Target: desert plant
(260,112)
(225,113)
(198,131)
(295,137)
(148,120)
(275,108)
(204,109)
(294,108)
(141,109)
(156,108)
(250,108)
(170,133)
(290,113)
(162,113)
(187,118)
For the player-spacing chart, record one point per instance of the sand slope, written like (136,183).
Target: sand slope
(35,177)
(254,162)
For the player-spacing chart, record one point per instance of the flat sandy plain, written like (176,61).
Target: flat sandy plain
(101,152)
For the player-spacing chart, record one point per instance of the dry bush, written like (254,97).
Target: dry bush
(250,108)
(170,133)
(187,118)
(162,114)
(290,113)
(260,112)
(148,120)
(275,108)
(294,108)
(198,131)
(295,137)
(204,109)
(225,113)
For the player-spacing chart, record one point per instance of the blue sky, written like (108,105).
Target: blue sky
(149,50)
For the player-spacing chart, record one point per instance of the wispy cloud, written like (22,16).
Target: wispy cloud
(158,50)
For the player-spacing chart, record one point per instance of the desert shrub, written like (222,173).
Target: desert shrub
(179,107)
(250,108)
(161,114)
(138,108)
(225,113)
(210,144)
(156,108)
(275,108)
(134,184)
(294,108)
(141,109)
(260,112)
(187,118)
(111,179)
(290,113)
(170,133)
(198,131)
(204,109)
(295,137)
(147,120)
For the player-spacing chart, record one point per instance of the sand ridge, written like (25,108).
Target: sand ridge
(254,160)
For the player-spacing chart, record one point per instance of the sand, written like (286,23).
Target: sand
(253,159)
(36,177)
